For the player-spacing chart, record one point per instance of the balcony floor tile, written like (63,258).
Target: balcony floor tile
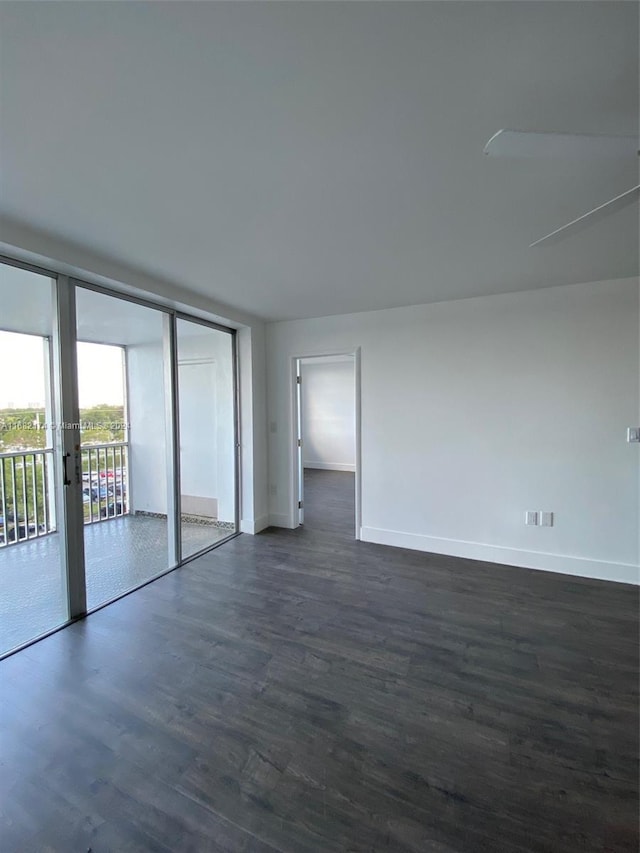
(120,554)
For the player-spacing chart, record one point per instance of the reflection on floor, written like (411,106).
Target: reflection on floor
(120,554)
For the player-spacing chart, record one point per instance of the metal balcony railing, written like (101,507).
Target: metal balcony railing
(27,491)
(27,507)
(105,470)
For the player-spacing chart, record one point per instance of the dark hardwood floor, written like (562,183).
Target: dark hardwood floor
(329,501)
(300,691)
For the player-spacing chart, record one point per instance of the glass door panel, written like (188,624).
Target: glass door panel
(206,406)
(89,503)
(33,585)
(123,359)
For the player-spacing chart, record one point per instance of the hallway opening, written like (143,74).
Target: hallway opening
(327,442)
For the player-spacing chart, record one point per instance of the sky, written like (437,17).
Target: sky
(22,382)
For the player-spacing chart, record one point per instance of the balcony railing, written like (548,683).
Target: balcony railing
(27,507)
(27,491)
(105,469)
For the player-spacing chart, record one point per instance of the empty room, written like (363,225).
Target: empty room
(319,426)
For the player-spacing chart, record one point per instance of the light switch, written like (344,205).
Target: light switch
(633,434)
(546,519)
(531,518)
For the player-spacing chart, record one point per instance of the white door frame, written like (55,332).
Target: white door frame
(293,433)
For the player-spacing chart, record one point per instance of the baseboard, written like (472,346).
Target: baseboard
(254,526)
(280,520)
(566,565)
(331,466)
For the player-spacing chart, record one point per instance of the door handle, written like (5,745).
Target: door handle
(65,479)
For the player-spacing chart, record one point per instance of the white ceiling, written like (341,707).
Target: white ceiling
(304,159)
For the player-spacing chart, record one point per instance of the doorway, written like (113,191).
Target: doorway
(327,442)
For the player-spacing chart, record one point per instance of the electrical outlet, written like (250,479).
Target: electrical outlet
(273,490)
(531,518)
(545,519)
(633,434)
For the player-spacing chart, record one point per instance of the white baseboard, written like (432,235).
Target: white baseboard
(331,466)
(254,526)
(578,566)
(280,520)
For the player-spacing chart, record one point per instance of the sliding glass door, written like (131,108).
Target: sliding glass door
(206,405)
(117,447)
(33,582)
(124,382)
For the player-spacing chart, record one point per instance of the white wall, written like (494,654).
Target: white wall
(254,506)
(477,410)
(206,425)
(148,456)
(328,414)
(147,433)
(197,382)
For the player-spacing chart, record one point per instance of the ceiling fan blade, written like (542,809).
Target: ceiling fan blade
(520,143)
(609,206)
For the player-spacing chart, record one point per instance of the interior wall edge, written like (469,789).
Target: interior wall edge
(254,526)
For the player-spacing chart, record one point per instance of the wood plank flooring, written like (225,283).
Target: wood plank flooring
(299,691)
